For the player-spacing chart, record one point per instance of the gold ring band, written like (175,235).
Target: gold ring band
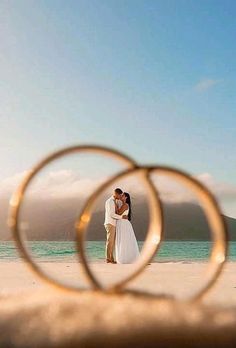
(18,198)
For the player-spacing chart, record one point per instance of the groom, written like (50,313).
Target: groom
(110,223)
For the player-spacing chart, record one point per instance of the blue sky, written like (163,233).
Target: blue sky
(156,79)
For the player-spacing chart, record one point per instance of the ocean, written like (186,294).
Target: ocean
(170,251)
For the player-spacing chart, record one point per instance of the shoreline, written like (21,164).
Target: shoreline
(103,261)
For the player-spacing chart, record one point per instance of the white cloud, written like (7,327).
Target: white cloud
(205,84)
(8,185)
(225,193)
(66,183)
(220,189)
(62,183)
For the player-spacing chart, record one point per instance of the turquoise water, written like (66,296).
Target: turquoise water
(171,251)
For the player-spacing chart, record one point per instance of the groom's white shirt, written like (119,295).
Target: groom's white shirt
(110,212)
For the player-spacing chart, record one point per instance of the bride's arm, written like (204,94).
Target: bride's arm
(121,210)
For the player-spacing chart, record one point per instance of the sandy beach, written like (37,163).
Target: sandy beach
(179,279)
(35,315)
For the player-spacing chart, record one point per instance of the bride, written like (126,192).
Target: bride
(126,246)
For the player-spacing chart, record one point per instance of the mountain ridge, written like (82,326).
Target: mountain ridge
(55,221)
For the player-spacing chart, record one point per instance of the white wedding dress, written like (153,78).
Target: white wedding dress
(126,246)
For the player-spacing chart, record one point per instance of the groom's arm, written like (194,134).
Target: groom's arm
(112,211)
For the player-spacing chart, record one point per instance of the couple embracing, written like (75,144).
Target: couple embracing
(121,239)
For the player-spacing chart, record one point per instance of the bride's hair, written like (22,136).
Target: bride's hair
(128,201)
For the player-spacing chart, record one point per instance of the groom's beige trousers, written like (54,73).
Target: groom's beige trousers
(111,234)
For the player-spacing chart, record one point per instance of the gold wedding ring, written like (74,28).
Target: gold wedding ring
(154,235)
(17,200)
(155,229)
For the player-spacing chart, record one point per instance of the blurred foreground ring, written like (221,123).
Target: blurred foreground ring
(18,197)
(154,235)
